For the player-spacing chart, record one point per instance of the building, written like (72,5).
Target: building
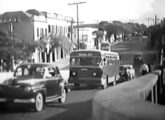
(33,26)
(86,36)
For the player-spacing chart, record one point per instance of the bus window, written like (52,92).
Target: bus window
(94,61)
(104,61)
(112,61)
(85,61)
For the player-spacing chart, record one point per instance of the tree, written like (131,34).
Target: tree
(156,32)
(14,48)
(117,27)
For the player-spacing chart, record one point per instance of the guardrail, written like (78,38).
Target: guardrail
(131,100)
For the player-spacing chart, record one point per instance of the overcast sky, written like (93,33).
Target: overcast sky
(93,10)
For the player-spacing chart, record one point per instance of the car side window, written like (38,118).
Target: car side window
(18,72)
(47,73)
(25,71)
(51,71)
(57,72)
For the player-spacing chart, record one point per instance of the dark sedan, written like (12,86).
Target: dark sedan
(35,84)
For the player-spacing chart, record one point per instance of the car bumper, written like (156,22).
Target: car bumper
(94,81)
(31,100)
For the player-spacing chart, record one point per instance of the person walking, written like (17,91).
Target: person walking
(144,69)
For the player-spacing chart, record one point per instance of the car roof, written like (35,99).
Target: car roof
(95,50)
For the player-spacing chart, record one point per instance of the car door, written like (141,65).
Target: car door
(52,83)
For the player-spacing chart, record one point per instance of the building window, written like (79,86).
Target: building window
(41,32)
(38,32)
(54,28)
(49,28)
(11,27)
(45,31)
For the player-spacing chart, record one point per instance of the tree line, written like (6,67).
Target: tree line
(156,34)
(13,50)
(118,27)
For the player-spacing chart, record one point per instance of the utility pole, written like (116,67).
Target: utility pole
(77,3)
(155,19)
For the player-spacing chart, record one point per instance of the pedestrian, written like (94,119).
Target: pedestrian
(151,67)
(144,69)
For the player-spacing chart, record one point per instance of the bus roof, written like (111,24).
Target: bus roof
(100,52)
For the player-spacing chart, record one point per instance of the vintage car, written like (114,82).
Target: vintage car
(127,72)
(35,84)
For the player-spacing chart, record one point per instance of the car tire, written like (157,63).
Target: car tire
(62,99)
(39,102)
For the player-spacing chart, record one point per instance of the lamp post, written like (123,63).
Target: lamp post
(77,3)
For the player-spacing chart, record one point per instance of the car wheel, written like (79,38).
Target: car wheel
(39,102)
(63,97)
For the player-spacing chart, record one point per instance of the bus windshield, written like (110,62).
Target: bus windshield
(85,61)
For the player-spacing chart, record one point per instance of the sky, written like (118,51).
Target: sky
(93,11)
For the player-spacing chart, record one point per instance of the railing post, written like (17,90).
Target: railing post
(156,93)
(152,95)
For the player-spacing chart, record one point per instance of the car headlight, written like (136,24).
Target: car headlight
(27,88)
(94,74)
(74,73)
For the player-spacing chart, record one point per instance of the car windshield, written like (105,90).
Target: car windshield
(85,61)
(36,71)
(128,67)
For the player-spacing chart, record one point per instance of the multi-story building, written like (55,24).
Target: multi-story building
(33,25)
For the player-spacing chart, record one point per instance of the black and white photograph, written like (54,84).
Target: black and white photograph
(82,60)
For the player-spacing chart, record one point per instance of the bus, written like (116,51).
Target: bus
(97,67)
(105,46)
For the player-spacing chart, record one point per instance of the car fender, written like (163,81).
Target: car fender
(40,88)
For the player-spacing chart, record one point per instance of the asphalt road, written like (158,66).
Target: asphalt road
(77,107)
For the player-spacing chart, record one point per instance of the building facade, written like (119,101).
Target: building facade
(34,26)
(86,36)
